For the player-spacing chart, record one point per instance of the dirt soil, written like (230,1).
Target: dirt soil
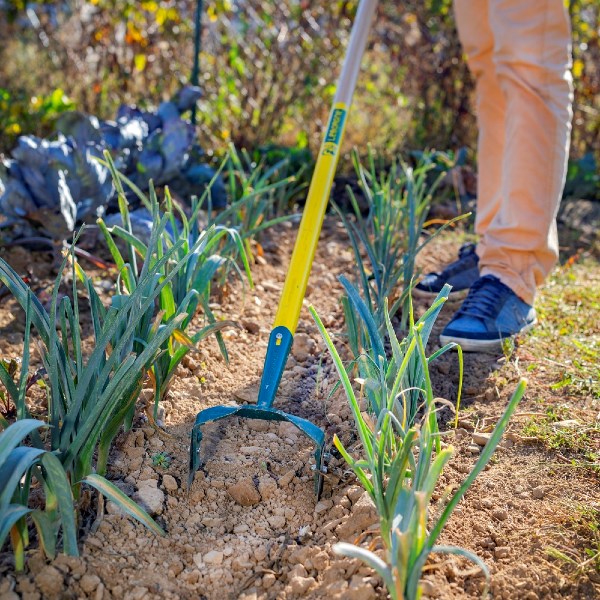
(250,527)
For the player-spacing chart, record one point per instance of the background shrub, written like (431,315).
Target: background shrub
(268,68)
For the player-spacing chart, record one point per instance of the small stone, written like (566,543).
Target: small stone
(268,580)
(354,493)
(89,583)
(501,552)
(286,479)
(427,587)
(300,585)
(270,286)
(267,487)
(138,593)
(302,347)
(150,497)
(175,568)
(99,594)
(112,508)
(170,483)
(244,492)
(360,589)
(487,503)
(568,424)
(322,506)
(287,430)
(258,425)
(474,449)
(252,450)
(538,493)
(214,558)
(336,590)
(192,577)
(248,395)
(241,563)
(364,514)
(299,570)
(481,439)
(276,522)
(304,534)
(260,553)
(50,581)
(500,515)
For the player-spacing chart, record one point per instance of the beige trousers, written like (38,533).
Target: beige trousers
(519,52)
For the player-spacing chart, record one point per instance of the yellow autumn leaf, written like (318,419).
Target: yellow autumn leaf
(182,338)
(161,16)
(578,66)
(150,6)
(140,62)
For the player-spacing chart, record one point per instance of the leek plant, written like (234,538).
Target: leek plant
(401,461)
(402,370)
(203,254)
(260,194)
(389,235)
(20,465)
(89,397)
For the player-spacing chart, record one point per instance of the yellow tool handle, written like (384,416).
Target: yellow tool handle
(296,281)
(294,289)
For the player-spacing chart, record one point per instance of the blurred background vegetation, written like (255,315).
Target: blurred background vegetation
(268,69)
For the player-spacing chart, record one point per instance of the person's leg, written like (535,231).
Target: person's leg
(532,58)
(477,38)
(518,245)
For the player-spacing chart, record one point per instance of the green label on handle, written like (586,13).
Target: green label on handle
(334,131)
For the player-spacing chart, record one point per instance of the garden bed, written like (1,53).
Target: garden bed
(250,527)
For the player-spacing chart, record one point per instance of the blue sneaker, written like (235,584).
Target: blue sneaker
(461,275)
(489,315)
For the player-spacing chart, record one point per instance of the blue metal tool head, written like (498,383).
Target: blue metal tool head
(280,342)
(216,413)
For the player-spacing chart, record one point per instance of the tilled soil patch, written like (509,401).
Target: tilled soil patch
(250,526)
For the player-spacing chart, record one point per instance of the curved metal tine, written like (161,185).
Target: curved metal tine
(317,435)
(214,413)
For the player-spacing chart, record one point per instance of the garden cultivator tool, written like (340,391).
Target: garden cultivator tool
(288,312)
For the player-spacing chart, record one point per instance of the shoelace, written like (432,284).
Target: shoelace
(483,298)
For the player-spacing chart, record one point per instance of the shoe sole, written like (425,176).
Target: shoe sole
(491,346)
(452,297)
